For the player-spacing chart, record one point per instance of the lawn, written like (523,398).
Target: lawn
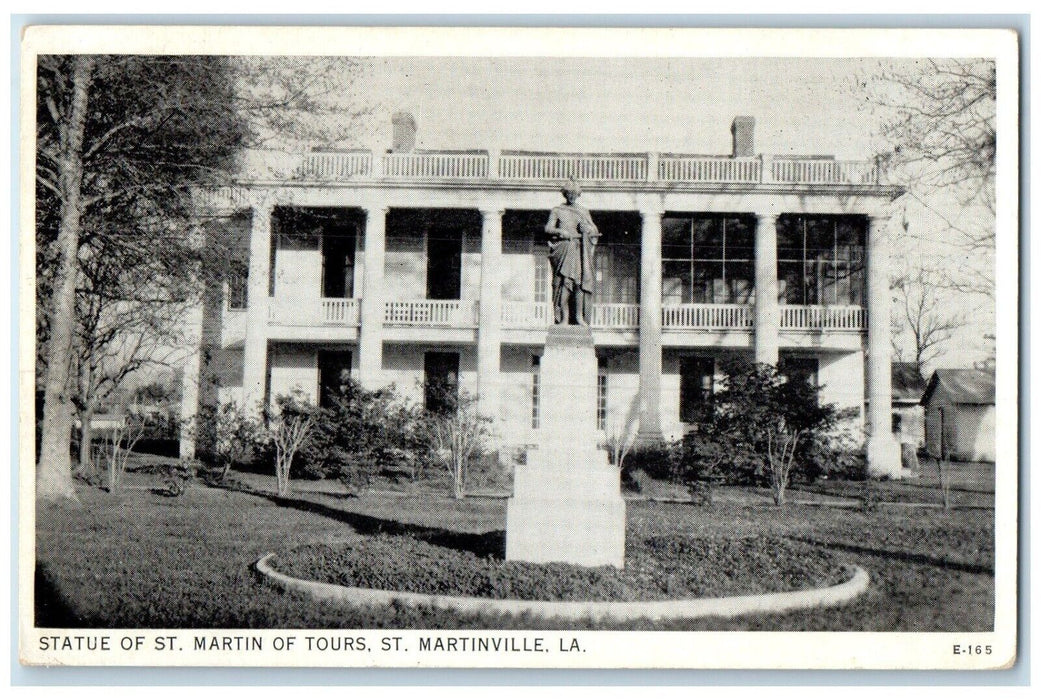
(134,558)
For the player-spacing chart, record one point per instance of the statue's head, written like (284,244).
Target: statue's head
(571,190)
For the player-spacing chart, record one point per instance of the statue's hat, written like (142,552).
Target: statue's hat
(571,186)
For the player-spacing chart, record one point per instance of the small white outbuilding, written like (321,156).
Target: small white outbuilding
(959,415)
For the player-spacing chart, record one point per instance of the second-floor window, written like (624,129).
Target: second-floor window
(820,260)
(238,284)
(708,259)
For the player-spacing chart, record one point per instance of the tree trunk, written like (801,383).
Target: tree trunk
(86,438)
(54,470)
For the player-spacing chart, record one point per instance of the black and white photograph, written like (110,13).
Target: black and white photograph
(518,347)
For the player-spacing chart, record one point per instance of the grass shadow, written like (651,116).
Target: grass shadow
(483,544)
(50,607)
(910,557)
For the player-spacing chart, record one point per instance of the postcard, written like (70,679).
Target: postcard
(518,347)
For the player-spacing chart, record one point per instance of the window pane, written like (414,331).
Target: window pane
(790,283)
(850,283)
(826,275)
(820,238)
(676,282)
(708,238)
(850,232)
(811,293)
(740,282)
(238,279)
(675,238)
(740,238)
(789,238)
(708,282)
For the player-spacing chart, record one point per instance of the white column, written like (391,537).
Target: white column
(489,335)
(650,327)
(254,371)
(370,336)
(883,453)
(767,312)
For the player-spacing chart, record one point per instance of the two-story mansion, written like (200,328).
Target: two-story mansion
(412,265)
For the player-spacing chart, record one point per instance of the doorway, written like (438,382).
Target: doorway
(440,381)
(338,245)
(444,262)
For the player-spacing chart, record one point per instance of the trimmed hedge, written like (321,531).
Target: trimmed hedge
(657,568)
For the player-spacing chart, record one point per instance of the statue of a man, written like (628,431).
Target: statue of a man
(573,236)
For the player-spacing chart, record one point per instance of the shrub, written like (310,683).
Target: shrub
(361,433)
(656,461)
(763,428)
(227,434)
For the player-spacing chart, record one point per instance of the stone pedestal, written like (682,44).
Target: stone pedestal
(567,504)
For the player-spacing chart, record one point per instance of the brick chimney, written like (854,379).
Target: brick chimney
(743,130)
(404,132)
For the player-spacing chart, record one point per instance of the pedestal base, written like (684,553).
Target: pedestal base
(567,504)
(576,517)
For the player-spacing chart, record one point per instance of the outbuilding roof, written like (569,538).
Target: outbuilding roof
(972,386)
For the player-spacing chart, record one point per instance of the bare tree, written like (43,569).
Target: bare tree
(121,441)
(940,124)
(938,121)
(455,437)
(289,429)
(924,319)
(121,330)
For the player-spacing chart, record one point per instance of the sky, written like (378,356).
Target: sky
(802,106)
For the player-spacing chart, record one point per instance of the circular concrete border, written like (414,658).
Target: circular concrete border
(731,606)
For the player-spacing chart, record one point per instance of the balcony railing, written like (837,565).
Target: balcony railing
(616,315)
(455,313)
(451,313)
(805,318)
(548,166)
(323,312)
(336,166)
(824,172)
(436,165)
(707,316)
(600,167)
(723,170)
(341,312)
(526,314)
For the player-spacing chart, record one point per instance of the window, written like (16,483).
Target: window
(820,260)
(696,386)
(708,259)
(535,392)
(444,262)
(238,285)
(541,279)
(616,265)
